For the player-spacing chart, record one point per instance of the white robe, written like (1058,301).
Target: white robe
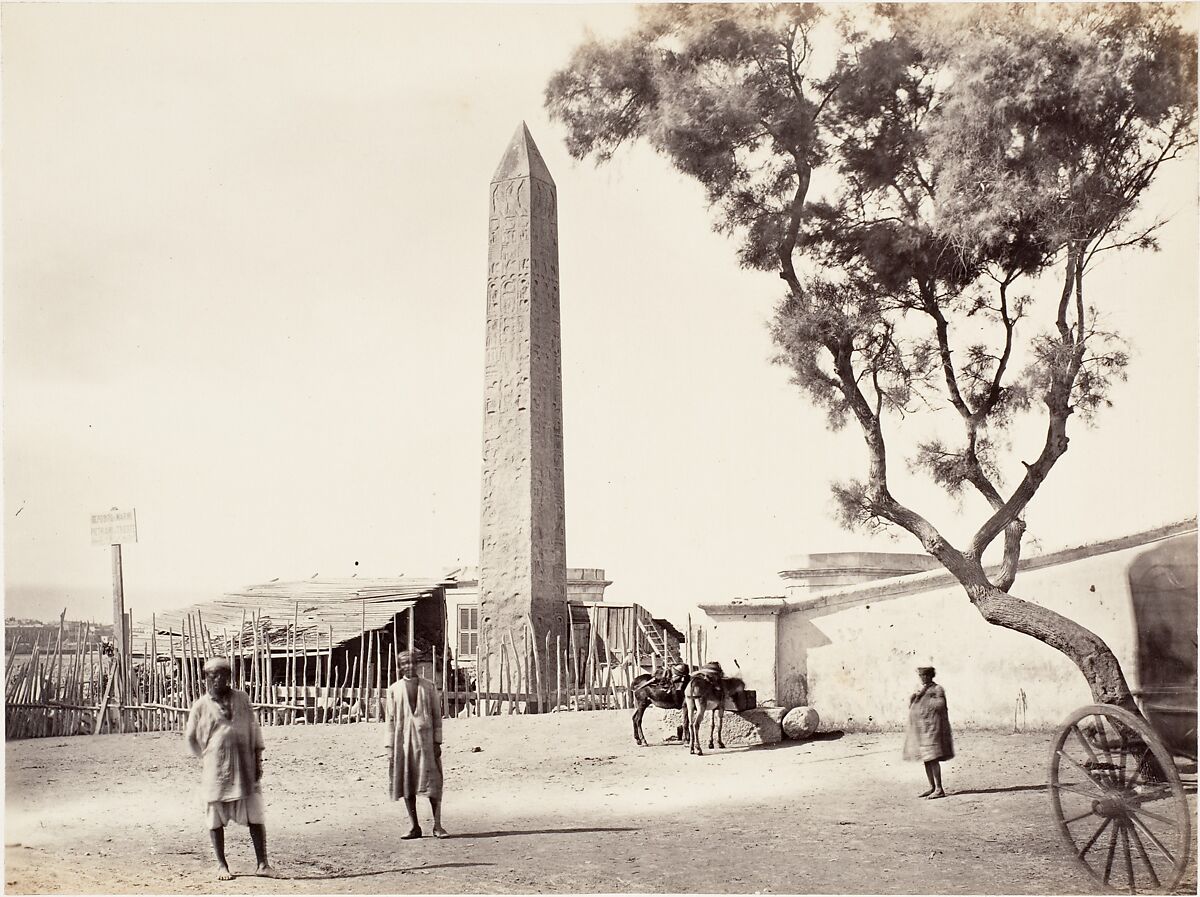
(412,731)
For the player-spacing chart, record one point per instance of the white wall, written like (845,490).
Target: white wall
(744,645)
(854,658)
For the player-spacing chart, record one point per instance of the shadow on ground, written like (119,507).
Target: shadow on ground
(536,831)
(329,876)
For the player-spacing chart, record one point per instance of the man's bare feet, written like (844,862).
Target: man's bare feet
(937,794)
(926,793)
(415,832)
(439,832)
(223,873)
(265,870)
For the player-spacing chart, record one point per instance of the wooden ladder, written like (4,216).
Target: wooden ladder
(658,643)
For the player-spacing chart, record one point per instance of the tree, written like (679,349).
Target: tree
(973,150)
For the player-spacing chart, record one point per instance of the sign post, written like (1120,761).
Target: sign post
(113,528)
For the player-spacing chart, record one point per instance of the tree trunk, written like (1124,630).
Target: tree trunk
(1085,649)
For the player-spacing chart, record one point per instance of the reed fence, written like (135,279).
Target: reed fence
(82,686)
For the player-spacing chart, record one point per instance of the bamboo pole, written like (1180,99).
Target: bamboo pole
(329,671)
(557,671)
(185,665)
(445,673)
(241,654)
(479,654)
(156,718)
(573,664)
(380,672)
(10,661)
(537,666)
(255,667)
(519,687)
(375,664)
(546,676)
(362,641)
(482,653)
(56,662)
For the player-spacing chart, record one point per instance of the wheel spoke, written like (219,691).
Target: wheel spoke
(1095,836)
(1154,839)
(1128,856)
(1163,819)
(1090,795)
(1112,852)
(1102,734)
(1085,771)
(1083,741)
(1083,815)
(1137,839)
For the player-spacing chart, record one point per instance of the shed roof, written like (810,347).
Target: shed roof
(313,609)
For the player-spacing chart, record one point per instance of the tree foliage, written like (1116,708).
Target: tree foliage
(973,150)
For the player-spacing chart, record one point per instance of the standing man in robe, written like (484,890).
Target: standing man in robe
(414,744)
(223,732)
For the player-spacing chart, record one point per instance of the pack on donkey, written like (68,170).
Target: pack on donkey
(663,689)
(706,690)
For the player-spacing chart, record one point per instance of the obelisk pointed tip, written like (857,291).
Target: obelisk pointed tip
(522,159)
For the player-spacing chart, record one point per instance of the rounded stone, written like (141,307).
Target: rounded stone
(800,722)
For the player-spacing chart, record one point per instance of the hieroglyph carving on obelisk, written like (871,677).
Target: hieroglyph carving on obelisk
(522,561)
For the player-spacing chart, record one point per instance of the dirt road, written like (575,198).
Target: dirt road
(558,803)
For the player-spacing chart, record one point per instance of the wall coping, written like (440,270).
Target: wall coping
(871,563)
(912,583)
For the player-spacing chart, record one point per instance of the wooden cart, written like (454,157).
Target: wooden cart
(1123,785)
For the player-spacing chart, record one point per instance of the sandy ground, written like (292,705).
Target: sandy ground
(558,803)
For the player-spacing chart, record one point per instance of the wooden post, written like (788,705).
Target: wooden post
(572,663)
(118,599)
(557,672)
(362,640)
(185,660)
(487,671)
(154,695)
(445,674)
(329,707)
(546,675)
(376,702)
(478,672)
(412,627)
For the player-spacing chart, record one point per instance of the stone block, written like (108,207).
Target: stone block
(800,723)
(762,725)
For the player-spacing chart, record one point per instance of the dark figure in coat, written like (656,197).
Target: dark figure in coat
(929,738)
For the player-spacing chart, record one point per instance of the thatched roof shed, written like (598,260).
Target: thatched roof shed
(306,616)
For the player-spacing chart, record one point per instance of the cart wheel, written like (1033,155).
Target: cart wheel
(1118,800)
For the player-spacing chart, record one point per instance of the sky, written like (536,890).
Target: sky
(245,261)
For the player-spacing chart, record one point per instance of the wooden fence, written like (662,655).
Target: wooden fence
(85,687)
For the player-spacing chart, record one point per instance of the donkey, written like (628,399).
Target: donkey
(706,690)
(665,691)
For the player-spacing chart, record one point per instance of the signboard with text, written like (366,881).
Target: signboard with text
(114,527)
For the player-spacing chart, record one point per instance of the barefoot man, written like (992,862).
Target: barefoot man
(223,732)
(414,744)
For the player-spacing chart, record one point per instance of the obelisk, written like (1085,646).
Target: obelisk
(522,557)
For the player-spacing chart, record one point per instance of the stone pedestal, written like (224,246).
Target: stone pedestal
(762,725)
